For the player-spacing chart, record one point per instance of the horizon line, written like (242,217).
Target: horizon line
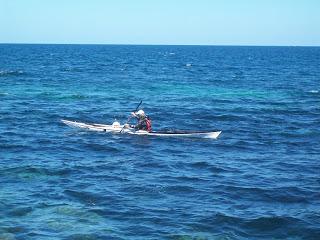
(157,44)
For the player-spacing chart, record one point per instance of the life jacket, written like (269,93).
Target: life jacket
(148,124)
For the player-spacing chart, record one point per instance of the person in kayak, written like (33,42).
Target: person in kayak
(144,122)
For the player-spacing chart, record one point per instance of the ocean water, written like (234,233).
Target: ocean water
(259,180)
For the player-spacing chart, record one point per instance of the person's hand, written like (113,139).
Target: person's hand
(133,114)
(126,125)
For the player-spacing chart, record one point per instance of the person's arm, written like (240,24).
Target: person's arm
(133,114)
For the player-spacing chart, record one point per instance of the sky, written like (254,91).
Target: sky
(173,22)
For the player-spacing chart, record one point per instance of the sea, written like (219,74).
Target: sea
(259,180)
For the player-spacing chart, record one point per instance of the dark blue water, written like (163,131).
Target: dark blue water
(259,180)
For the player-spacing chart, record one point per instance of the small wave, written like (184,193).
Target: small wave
(200,164)
(102,147)
(180,189)
(15,146)
(314,91)
(263,224)
(71,69)
(28,172)
(20,211)
(77,96)
(153,165)
(85,197)
(4,73)
(56,96)
(83,236)
(7,235)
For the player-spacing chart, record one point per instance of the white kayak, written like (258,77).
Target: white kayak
(117,128)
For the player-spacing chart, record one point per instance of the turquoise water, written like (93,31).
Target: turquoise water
(259,180)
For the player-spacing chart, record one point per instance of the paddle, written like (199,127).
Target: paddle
(130,116)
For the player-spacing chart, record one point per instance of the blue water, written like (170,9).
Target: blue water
(259,180)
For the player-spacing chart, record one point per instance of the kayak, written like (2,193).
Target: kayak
(117,128)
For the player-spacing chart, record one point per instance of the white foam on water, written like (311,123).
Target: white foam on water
(10,72)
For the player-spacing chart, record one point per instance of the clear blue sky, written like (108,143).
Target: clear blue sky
(209,22)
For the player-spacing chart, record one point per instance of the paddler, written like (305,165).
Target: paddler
(144,122)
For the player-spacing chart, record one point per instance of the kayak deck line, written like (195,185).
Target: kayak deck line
(181,132)
(118,129)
